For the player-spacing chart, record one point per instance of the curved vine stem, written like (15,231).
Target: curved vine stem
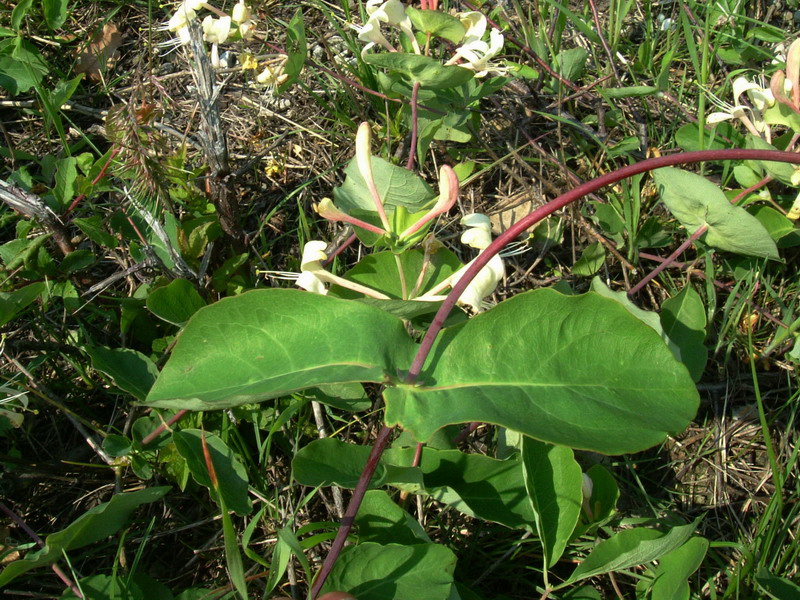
(482,259)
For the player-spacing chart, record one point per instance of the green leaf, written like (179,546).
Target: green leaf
(331,462)
(674,568)
(379,271)
(176,302)
(19,13)
(393,572)
(267,343)
(95,230)
(437,23)
(579,371)
(13,303)
(554,480)
(231,474)
(428,72)
(21,66)
(777,587)
(93,526)
(634,91)
(382,521)
(345,396)
(781,171)
(591,260)
(629,548)
(571,63)
(696,202)
(684,320)
(780,229)
(55,12)
(116,445)
(66,174)
(129,369)
(107,587)
(396,185)
(296,50)
(477,485)
(473,484)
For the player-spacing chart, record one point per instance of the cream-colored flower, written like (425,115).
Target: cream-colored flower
(392,12)
(216,31)
(474,24)
(477,235)
(240,13)
(311,265)
(478,54)
(370,32)
(761,98)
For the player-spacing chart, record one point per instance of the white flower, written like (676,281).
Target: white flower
(477,235)
(474,24)
(273,76)
(370,32)
(587,485)
(761,98)
(216,31)
(240,13)
(392,12)
(483,284)
(478,53)
(311,265)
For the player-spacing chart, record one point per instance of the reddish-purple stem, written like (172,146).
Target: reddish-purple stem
(352,508)
(414,125)
(678,251)
(721,285)
(480,261)
(692,239)
(161,428)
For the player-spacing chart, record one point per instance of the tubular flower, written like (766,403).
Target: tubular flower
(478,235)
(364,162)
(478,54)
(370,32)
(474,23)
(448,194)
(273,76)
(216,31)
(178,23)
(326,209)
(311,264)
(392,12)
(241,15)
(761,99)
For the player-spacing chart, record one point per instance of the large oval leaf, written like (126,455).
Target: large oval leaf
(579,371)
(267,343)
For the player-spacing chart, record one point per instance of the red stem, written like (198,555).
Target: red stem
(160,429)
(100,175)
(667,261)
(693,238)
(40,542)
(352,508)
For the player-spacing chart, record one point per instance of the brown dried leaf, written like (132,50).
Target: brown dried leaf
(100,54)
